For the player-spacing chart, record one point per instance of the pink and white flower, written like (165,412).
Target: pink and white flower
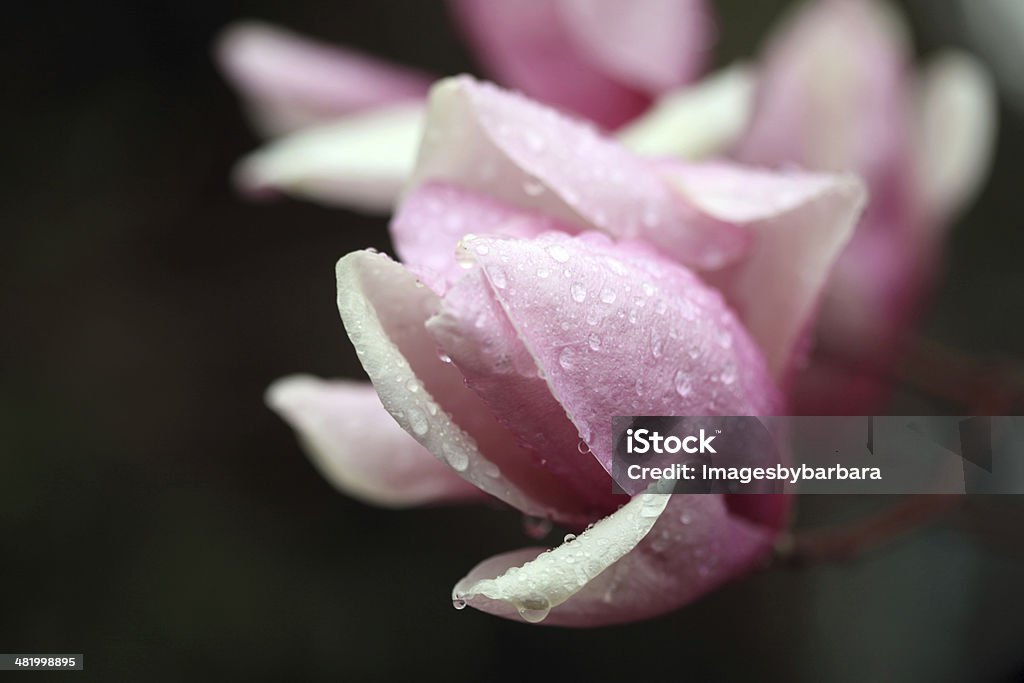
(346,125)
(836,91)
(550,280)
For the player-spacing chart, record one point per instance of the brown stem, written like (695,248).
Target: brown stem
(842,544)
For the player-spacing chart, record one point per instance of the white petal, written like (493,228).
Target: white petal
(695,122)
(385,309)
(553,577)
(956,131)
(360,161)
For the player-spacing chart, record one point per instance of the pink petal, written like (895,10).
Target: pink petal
(832,92)
(475,332)
(435,216)
(647,332)
(528,46)
(695,546)
(292,81)
(360,448)
(384,310)
(798,223)
(520,153)
(651,45)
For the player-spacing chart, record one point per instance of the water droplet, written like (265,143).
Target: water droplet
(594,342)
(444,357)
(567,358)
(558,252)
(648,288)
(724,339)
(579,292)
(639,386)
(418,421)
(535,608)
(536,527)
(728,375)
(682,382)
(685,518)
(569,538)
(650,505)
(491,470)
(657,345)
(542,273)
(456,457)
(583,447)
(533,188)
(413,385)
(608,295)
(693,351)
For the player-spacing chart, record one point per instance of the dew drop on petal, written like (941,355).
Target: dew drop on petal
(534,608)
(682,383)
(608,295)
(725,339)
(567,358)
(728,375)
(650,505)
(594,342)
(569,538)
(456,457)
(558,253)
(418,422)
(579,292)
(583,447)
(444,357)
(657,345)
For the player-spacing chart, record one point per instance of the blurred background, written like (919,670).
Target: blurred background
(154,514)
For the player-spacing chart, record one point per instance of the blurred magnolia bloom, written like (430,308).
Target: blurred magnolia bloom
(836,91)
(345,125)
(550,279)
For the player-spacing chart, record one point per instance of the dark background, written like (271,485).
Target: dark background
(155,516)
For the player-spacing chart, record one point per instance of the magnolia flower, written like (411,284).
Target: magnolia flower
(549,280)
(349,124)
(836,92)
